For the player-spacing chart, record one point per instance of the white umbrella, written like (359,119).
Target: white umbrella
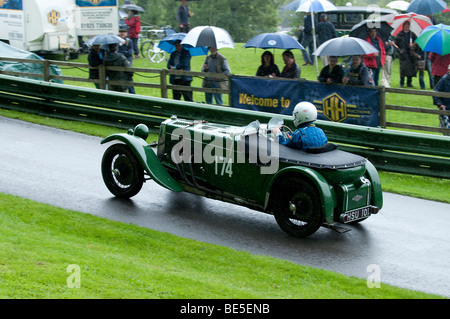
(344,46)
(398,5)
(208,36)
(315,6)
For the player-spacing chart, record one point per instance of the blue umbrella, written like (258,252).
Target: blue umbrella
(426,6)
(344,46)
(435,38)
(273,41)
(168,45)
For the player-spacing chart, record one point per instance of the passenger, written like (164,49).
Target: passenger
(332,72)
(357,73)
(307,135)
(268,66)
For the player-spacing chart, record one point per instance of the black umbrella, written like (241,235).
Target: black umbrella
(361,30)
(132,7)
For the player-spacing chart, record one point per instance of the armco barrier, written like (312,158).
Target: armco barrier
(397,151)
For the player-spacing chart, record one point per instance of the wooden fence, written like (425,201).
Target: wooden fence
(163,86)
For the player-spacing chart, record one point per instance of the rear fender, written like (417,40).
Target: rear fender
(147,158)
(377,193)
(326,193)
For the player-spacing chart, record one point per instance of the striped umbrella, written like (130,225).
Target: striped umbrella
(418,23)
(435,38)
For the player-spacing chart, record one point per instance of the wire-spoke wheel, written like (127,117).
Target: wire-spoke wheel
(297,207)
(121,171)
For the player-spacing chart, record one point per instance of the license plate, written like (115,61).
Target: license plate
(356,214)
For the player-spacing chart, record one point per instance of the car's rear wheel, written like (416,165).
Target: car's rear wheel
(121,171)
(297,207)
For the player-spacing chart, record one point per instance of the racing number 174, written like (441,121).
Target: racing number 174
(226,167)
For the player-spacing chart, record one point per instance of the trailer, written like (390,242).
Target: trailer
(54,26)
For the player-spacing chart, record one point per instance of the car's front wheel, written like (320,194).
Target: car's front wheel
(297,207)
(121,171)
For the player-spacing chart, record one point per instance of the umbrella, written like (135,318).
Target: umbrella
(418,23)
(132,7)
(361,30)
(398,5)
(426,6)
(344,46)
(209,36)
(435,38)
(292,6)
(168,44)
(315,6)
(101,39)
(273,41)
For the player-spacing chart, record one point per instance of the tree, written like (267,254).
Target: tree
(241,18)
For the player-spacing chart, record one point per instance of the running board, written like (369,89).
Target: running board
(336,228)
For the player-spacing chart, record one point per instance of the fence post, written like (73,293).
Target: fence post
(46,70)
(102,76)
(229,90)
(163,79)
(382,119)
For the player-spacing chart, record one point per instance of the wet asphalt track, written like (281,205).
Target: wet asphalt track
(407,240)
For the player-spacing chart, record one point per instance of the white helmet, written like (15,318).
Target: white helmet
(304,112)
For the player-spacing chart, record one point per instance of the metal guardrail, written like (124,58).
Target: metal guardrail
(390,150)
(162,87)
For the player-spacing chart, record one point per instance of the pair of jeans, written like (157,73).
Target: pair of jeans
(217,96)
(308,43)
(375,75)
(187,95)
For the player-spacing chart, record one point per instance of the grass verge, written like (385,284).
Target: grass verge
(47,250)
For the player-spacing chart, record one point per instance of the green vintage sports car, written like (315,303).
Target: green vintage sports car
(243,165)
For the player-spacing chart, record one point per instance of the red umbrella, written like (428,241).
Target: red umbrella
(418,22)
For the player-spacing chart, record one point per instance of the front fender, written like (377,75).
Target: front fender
(147,158)
(326,193)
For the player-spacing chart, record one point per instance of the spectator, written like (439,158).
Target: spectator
(95,58)
(325,31)
(126,48)
(113,58)
(443,103)
(134,28)
(386,70)
(375,61)
(215,63)
(439,65)
(183,15)
(180,59)
(332,72)
(307,39)
(268,66)
(357,73)
(406,54)
(291,69)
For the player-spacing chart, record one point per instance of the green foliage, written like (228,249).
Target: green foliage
(242,19)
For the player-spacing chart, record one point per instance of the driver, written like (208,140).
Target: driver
(307,135)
